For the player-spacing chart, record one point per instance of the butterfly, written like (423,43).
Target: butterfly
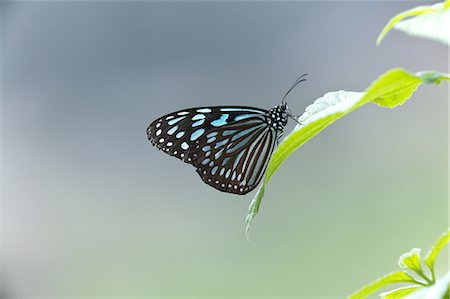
(230,146)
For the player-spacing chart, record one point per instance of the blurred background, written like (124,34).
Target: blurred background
(90,208)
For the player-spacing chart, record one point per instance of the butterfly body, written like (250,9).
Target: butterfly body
(230,146)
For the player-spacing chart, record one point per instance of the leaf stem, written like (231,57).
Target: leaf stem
(421,274)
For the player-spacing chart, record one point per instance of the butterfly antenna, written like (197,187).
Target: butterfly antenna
(294,118)
(299,79)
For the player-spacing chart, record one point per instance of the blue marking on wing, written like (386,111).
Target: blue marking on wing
(242,143)
(197,134)
(243,116)
(198,123)
(174,121)
(221,121)
(225,161)
(173,130)
(238,158)
(219,144)
(198,116)
(240,109)
(228,132)
(212,134)
(245,132)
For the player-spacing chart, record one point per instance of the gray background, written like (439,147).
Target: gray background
(91,209)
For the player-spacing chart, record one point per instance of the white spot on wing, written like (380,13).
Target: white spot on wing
(184,145)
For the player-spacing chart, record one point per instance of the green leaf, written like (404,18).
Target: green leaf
(315,118)
(253,209)
(430,258)
(447,294)
(409,13)
(439,290)
(411,260)
(434,25)
(393,88)
(431,77)
(390,90)
(400,292)
(447,4)
(394,277)
(430,21)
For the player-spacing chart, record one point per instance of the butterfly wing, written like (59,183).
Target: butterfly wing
(229,145)
(177,133)
(234,158)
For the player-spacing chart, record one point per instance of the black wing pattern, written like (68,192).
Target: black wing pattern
(229,145)
(234,158)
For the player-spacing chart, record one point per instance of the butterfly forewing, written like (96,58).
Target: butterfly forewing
(177,133)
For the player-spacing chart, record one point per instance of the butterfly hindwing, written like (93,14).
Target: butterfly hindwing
(232,158)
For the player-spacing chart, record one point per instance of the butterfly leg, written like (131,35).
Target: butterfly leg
(279,138)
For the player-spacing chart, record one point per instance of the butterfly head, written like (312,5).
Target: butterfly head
(283,108)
